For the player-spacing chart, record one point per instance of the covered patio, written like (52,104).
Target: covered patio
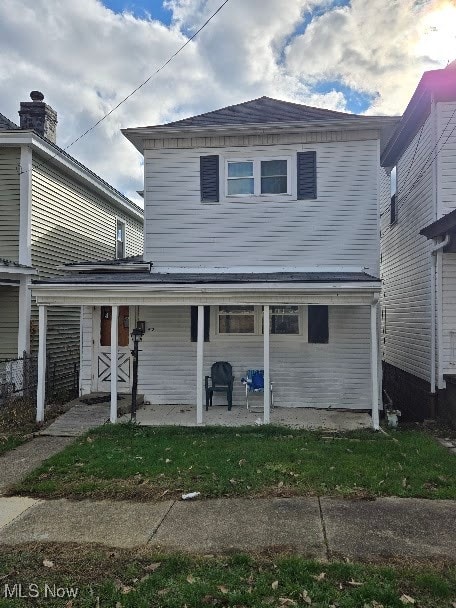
(146,292)
(297,418)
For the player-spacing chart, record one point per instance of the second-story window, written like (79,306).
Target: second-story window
(393,207)
(120,239)
(258,176)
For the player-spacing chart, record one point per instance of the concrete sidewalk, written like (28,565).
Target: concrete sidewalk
(314,527)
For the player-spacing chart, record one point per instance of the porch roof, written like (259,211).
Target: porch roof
(440,227)
(154,278)
(332,288)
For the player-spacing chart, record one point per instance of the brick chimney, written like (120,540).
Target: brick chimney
(40,117)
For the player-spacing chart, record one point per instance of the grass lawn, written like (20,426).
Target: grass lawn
(139,579)
(129,461)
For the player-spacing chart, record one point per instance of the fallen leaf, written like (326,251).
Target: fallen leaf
(223,589)
(152,567)
(287,601)
(233,481)
(118,605)
(275,584)
(210,600)
(89,440)
(69,604)
(319,577)
(126,589)
(168,461)
(406,599)
(280,484)
(242,461)
(47,563)
(191,579)
(304,595)
(354,583)
(404,482)
(162,592)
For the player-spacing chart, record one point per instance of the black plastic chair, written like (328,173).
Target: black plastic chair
(221,381)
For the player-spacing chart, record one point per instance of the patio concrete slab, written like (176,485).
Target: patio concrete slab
(386,527)
(299,418)
(11,508)
(115,524)
(17,463)
(249,525)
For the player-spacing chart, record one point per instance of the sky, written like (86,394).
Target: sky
(361,56)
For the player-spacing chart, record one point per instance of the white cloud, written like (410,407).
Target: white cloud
(374,46)
(86,58)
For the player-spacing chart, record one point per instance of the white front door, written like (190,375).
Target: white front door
(102,360)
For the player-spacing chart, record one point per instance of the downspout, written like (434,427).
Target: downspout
(434,251)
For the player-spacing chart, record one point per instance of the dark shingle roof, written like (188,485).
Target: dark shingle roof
(121,278)
(261,110)
(133,259)
(6,124)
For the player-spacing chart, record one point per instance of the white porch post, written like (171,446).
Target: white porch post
(41,388)
(25,308)
(267,382)
(114,340)
(199,366)
(374,364)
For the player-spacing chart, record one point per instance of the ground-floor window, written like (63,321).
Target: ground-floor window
(284,320)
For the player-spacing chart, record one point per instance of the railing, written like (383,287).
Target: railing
(19,377)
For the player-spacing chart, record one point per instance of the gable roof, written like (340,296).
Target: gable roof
(6,124)
(259,111)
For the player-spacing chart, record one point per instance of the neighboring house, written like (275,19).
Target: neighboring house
(53,210)
(418,252)
(261,214)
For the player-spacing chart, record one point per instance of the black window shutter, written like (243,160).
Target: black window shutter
(307,175)
(209,178)
(194,323)
(318,326)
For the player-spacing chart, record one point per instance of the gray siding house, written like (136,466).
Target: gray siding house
(418,252)
(261,249)
(53,211)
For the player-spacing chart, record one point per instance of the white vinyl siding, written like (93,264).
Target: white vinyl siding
(446,178)
(304,375)
(449,313)
(9,324)
(406,261)
(70,223)
(9,203)
(339,228)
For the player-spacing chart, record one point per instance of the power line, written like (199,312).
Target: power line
(429,160)
(148,79)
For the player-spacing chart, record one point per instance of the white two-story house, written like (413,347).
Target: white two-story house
(418,252)
(261,249)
